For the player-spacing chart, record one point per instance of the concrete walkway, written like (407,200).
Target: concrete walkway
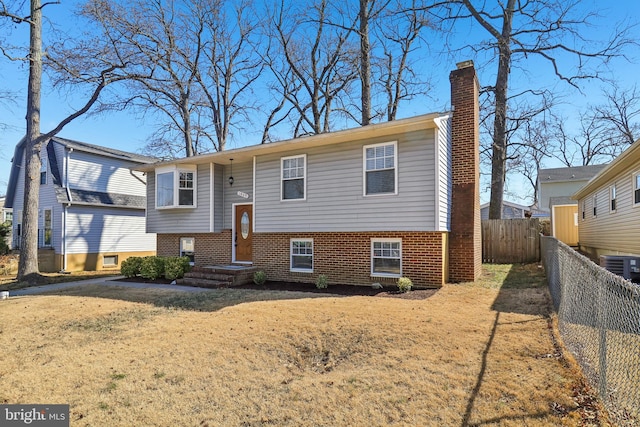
(109,281)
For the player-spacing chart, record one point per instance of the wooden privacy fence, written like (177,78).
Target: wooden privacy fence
(507,241)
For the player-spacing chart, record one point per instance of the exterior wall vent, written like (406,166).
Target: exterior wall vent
(622,265)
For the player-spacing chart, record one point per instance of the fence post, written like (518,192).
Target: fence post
(602,339)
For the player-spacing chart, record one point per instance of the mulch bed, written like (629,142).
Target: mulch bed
(344,290)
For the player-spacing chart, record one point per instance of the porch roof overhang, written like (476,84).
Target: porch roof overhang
(396,127)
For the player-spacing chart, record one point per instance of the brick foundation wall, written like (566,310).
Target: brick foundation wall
(210,248)
(465,242)
(343,257)
(346,257)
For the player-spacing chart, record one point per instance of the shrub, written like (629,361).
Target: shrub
(152,267)
(404,284)
(259,277)
(130,267)
(322,282)
(175,267)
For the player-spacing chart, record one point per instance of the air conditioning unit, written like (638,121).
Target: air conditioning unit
(622,265)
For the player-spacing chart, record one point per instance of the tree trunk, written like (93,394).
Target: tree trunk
(499,156)
(365,62)
(28,264)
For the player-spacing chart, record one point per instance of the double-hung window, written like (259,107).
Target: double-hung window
(293,175)
(612,198)
(595,206)
(380,169)
(43,171)
(302,255)
(636,189)
(386,257)
(176,187)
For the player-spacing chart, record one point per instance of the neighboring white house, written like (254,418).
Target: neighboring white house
(555,187)
(91,206)
(362,205)
(609,208)
(6,215)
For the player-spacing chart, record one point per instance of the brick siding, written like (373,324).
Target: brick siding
(343,257)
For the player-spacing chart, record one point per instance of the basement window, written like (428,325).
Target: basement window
(187,248)
(302,255)
(386,257)
(110,261)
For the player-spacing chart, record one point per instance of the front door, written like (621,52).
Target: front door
(243,235)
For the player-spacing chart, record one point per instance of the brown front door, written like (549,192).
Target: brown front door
(243,233)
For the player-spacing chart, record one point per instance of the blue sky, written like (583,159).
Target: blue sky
(127,131)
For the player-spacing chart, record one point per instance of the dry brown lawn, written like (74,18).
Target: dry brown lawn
(472,354)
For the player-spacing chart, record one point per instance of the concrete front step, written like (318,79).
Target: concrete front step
(213,276)
(203,283)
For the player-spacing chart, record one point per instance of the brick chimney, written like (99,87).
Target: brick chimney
(465,244)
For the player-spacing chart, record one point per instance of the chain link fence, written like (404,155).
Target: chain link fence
(599,321)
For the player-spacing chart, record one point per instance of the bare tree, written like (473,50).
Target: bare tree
(592,143)
(399,30)
(34,139)
(232,67)
(552,31)
(313,66)
(621,113)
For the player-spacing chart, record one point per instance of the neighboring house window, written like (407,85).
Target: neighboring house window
(8,216)
(188,249)
(293,177)
(18,234)
(46,233)
(380,169)
(176,187)
(636,189)
(386,257)
(302,255)
(595,206)
(43,171)
(612,198)
(110,261)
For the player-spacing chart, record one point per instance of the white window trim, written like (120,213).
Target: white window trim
(115,257)
(176,169)
(301,270)
(612,190)
(634,181)
(392,240)
(44,168)
(395,169)
(182,238)
(304,178)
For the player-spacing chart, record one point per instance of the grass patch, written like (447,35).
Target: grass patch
(11,284)
(472,354)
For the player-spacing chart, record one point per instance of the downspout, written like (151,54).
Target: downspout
(66,213)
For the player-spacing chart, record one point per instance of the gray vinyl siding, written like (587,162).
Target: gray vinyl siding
(218,198)
(99,173)
(443,174)
(93,229)
(612,232)
(557,189)
(334,190)
(182,220)
(243,182)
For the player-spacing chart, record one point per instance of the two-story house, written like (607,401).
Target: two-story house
(361,205)
(91,206)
